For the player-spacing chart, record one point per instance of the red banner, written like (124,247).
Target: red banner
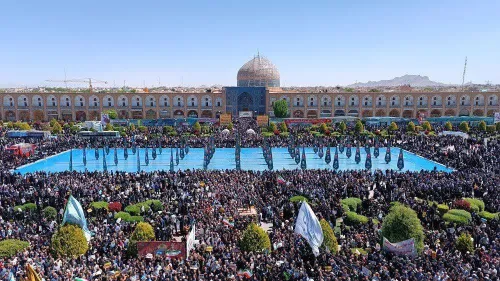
(170,249)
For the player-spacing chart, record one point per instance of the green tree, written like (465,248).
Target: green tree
(464,243)
(482,126)
(254,239)
(108,127)
(448,126)
(329,241)
(111,113)
(143,232)
(56,128)
(230,126)
(427,126)
(52,122)
(410,127)
(69,241)
(359,128)
(342,127)
(464,127)
(197,127)
(272,127)
(401,224)
(393,127)
(280,108)
(49,213)
(283,127)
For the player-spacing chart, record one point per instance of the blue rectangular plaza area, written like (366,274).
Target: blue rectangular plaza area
(224,158)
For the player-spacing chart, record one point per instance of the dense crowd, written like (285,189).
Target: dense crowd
(206,198)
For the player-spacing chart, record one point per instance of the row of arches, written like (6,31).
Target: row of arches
(383,100)
(110,101)
(391,113)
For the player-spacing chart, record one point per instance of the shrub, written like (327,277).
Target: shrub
(283,127)
(475,204)
(410,127)
(488,216)
(401,224)
(143,232)
(49,213)
(464,127)
(342,126)
(353,219)
(352,202)
(358,127)
(482,126)
(393,127)
(126,217)
(156,205)
(442,208)
(457,216)
(490,129)
(230,126)
(115,206)
(464,243)
(172,134)
(448,126)
(28,207)
(10,247)
(395,203)
(298,198)
(254,239)
(197,127)
(99,205)
(284,134)
(427,126)
(462,204)
(329,241)
(69,241)
(133,210)
(267,134)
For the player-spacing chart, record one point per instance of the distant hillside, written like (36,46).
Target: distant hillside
(412,80)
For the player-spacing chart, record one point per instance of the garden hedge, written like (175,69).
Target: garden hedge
(353,219)
(10,247)
(488,216)
(26,207)
(298,198)
(135,209)
(352,202)
(126,217)
(457,216)
(476,205)
(442,208)
(99,205)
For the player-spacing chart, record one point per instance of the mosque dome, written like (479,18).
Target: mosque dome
(258,72)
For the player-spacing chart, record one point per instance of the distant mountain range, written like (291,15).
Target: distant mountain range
(412,80)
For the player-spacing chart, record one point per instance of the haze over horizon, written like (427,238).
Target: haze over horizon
(193,43)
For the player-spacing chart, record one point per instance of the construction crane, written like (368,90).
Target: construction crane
(84,80)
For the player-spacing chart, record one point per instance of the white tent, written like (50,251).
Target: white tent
(251,132)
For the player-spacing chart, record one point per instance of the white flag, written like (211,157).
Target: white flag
(308,226)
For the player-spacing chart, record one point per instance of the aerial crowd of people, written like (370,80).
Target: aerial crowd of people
(205,198)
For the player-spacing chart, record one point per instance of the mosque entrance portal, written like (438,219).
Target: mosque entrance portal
(245,102)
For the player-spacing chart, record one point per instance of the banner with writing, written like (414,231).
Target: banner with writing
(167,249)
(405,248)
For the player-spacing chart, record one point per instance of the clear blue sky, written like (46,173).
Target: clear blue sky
(205,42)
